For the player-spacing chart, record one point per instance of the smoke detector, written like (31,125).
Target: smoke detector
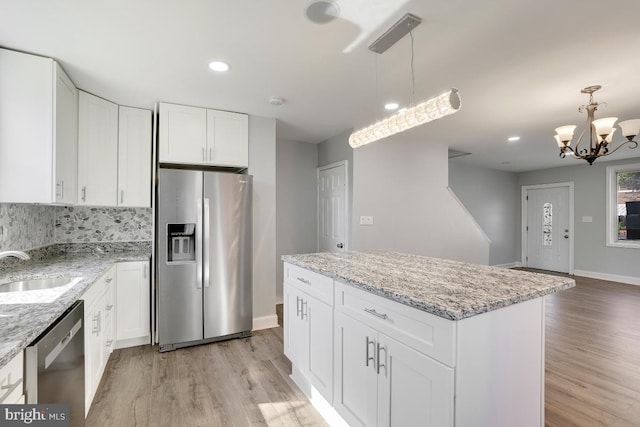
(276,100)
(322,12)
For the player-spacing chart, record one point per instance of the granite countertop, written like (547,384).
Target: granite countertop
(25,315)
(449,289)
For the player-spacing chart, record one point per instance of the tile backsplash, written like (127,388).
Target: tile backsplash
(33,226)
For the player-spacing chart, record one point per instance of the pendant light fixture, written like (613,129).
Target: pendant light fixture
(416,115)
(600,133)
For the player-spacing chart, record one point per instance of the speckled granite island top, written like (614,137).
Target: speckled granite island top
(22,321)
(450,289)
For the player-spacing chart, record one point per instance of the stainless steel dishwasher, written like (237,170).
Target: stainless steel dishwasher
(54,365)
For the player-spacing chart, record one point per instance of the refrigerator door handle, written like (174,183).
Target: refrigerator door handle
(206,244)
(199,245)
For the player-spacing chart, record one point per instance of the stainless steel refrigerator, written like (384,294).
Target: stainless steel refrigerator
(204,257)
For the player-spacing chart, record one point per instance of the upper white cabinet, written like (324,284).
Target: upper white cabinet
(38,137)
(192,135)
(97,151)
(134,157)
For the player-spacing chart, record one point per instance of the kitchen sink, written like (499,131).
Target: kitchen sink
(39,284)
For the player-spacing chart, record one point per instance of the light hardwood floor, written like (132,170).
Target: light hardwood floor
(592,373)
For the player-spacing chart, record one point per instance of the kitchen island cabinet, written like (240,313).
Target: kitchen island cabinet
(424,341)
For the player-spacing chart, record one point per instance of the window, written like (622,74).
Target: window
(623,213)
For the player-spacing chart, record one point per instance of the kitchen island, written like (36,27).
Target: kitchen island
(391,339)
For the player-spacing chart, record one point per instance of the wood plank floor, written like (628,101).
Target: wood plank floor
(592,373)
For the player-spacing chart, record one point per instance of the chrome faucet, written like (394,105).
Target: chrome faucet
(17,254)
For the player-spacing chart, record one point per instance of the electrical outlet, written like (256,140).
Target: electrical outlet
(366,220)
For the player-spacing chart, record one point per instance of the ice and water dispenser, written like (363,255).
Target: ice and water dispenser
(181,241)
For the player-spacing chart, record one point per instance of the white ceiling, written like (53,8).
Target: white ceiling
(519,65)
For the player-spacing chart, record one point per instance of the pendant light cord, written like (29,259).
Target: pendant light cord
(413,80)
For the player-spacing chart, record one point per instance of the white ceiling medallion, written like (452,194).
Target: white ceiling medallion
(322,12)
(276,100)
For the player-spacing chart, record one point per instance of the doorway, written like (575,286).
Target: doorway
(333,208)
(547,227)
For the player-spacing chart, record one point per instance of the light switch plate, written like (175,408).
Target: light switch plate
(587,219)
(366,220)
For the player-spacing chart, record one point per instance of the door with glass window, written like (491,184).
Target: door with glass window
(548,228)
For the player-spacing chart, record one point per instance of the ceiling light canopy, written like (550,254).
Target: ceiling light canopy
(513,138)
(219,66)
(390,106)
(601,133)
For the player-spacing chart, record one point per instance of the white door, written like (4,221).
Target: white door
(548,228)
(66,134)
(227,138)
(332,208)
(132,300)
(182,134)
(320,355)
(134,157)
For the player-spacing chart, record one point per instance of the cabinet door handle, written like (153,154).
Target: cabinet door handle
(304,313)
(109,307)
(108,280)
(62,189)
(121,196)
(381,365)
(58,191)
(303,280)
(144,272)
(9,388)
(84,194)
(375,313)
(204,155)
(369,358)
(298,306)
(210,154)
(94,329)
(108,343)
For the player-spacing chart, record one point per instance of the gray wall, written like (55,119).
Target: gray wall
(262,165)
(591,252)
(402,183)
(493,199)
(337,149)
(296,202)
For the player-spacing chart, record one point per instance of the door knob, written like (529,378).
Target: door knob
(566,236)
(340,245)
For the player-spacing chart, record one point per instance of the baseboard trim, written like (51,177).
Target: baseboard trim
(611,277)
(265,322)
(509,265)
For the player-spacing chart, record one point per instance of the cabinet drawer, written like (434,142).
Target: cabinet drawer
(429,334)
(11,380)
(316,285)
(98,288)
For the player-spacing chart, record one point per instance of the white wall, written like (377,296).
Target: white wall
(592,256)
(493,198)
(262,165)
(402,183)
(296,202)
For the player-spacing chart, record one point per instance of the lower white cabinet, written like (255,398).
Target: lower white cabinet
(309,338)
(386,383)
(12,380)
(133,323)
(98,332)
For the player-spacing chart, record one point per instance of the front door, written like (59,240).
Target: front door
(332,208)
(548,228)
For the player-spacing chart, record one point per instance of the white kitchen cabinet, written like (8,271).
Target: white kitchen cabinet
(227,138)
(38,130)
(97,151)
(200,136)
(133,324)
(12,380)
(98,331)
(309,330)
(134,157)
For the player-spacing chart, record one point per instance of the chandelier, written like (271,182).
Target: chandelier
(424,112)
(600,133)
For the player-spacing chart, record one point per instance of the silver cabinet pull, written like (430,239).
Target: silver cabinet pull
(204,155)
(108,280)
(375,313)
(84,194)
(121,196)
(381,365)
(58,191)
(144,273)
(298,306)
(210,154)
(94,329)
(303,280)
(62,189)
(108,343)
(304,313)
(109,307)
(369,358)
(9,388)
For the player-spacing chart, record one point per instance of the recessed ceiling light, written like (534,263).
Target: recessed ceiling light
(513,138)
(391,106)
(218,66)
